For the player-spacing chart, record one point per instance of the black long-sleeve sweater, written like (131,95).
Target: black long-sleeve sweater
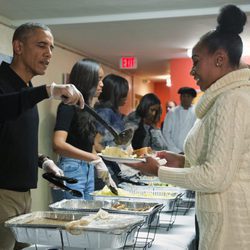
(18,130)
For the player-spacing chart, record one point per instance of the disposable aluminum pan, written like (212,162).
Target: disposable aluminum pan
(78,205)
(154,189)
(148,210)
(167,198)
(48,228)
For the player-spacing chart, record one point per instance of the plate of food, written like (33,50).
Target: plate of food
(120,155)
(122,159)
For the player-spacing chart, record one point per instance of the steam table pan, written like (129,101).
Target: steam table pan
(48,228)
(167,198)
(79,205)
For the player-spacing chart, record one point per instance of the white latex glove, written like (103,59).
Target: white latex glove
(103,172)
(50,167)
(68,93)
(110,182)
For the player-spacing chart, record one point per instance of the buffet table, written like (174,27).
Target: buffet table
(177,237)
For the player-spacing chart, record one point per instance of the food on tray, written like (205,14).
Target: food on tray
(118,152)
(119,206)
(141,152)
(106,192)
(128,153)
(147,194)
(102,233)
(72,226)
(47,221)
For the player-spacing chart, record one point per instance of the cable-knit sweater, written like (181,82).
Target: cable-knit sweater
(217,152)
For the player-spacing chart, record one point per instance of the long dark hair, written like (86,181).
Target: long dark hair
(114,89)
(231,21)
(85,76)
(142,109)
(147,101)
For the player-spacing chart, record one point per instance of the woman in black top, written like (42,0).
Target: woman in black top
(144,122)
(75,132)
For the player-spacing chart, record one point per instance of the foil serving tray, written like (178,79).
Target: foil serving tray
(132,207)
(167,198)
(48,228)
(79,205)
(145,209)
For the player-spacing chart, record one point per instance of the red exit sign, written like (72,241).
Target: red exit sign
(128,62)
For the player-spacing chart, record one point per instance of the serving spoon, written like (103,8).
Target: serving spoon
(121,138)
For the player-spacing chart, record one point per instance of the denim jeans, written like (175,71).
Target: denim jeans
(80,170)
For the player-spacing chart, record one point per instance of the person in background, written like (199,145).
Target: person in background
(217,149)
(114,95)
(144,122)
(32,51)
(169,106)
(179,121)
(75,131)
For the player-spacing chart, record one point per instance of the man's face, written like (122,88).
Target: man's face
(34,53)
(186,100)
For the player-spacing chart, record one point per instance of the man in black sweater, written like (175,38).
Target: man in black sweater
(32,50)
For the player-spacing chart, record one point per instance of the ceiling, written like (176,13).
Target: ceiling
(152,30)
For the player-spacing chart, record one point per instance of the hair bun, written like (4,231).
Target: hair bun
(231,20)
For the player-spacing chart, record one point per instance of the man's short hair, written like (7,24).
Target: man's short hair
(187,90)
(22,32)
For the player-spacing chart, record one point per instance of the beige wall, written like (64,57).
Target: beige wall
(5,44)
(61,62)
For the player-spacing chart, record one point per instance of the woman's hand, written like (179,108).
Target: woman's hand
(150,167)
(173,160)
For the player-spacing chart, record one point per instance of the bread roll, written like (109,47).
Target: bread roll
(143,151)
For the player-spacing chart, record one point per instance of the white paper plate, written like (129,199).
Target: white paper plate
(122,160)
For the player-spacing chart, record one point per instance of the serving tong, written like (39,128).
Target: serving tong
(134,182)
(58,181)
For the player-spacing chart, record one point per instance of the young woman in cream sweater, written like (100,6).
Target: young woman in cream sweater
(217,151)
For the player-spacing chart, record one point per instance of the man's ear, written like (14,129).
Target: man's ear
(17,47)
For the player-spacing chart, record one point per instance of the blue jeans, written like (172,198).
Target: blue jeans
(80,170)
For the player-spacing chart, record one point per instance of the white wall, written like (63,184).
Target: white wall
(61,62)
